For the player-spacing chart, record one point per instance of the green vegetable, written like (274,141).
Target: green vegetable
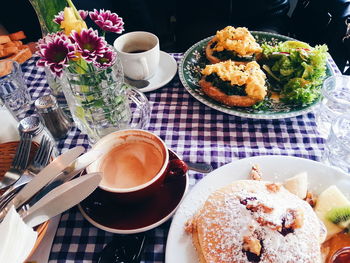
(225,86)
(230,54)
(299,68)
(300,91)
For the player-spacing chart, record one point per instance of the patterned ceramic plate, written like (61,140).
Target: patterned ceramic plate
(194,61)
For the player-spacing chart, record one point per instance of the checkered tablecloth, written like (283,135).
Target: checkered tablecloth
(198,134)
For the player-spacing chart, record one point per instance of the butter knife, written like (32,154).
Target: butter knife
(61,199)
(68,173)
(42,178)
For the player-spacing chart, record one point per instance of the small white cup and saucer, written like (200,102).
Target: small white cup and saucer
(143,60)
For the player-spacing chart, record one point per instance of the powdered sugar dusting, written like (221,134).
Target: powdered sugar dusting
(179,246)
(224,220)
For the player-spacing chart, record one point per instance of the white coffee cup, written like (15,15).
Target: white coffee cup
(139,54)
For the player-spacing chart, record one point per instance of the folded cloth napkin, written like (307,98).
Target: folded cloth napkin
(16,238)
(8,129)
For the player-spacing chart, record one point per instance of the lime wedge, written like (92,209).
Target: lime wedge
(295,44)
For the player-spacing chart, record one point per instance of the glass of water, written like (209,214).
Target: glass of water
(337,149)
(336,100)
(13,90)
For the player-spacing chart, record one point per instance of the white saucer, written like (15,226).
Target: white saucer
(166,71)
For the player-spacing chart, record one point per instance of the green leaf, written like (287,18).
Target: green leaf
(46,11)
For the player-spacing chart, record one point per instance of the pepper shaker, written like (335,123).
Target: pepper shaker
(53,117)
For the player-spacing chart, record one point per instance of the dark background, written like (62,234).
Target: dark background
(181,23)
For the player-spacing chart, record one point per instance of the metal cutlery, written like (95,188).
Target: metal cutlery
(60,199)
(40,160)
(67,174)
(42,178)
(199,167)
(123,249)
(19,162)
(136,83)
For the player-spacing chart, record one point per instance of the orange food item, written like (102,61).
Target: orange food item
(23,47)
(13,44)
(22,56)
(17,36)
(5,68)
(4,39)
(12,48)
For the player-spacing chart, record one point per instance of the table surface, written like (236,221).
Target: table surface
(198,134)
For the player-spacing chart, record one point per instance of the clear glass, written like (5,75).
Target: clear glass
(45,11)
(100,103)
(337,149)
(56,86)
(13,90)
(341,256)
(336,100)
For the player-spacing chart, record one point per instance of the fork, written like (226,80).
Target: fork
(19,163)
(40,160)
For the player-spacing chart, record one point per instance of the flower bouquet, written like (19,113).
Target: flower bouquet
(89,69)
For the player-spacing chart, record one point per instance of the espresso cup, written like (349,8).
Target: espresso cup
(136,163)
(139,54)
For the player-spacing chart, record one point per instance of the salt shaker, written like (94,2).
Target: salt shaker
(53,117)
(34,126)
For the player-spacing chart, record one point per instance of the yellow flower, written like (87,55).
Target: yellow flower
(71,21)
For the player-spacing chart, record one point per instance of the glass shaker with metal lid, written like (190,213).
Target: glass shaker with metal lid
(34,127)
(53,117)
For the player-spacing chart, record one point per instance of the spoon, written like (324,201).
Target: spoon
(136,83)
(199,167)
(123,249)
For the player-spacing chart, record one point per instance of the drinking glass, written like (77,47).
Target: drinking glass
(13,90)
(336,93)
(337,149)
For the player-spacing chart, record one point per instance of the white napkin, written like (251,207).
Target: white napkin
(42,253)
(16,238)
(8,128)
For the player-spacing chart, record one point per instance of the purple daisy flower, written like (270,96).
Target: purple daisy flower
(83,14)
(49,38)
(55,51)
(107,21)
(106,60)
(89,44)
(59,17)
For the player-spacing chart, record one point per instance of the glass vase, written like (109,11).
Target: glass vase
(46,11)
(101,103)
(56,86)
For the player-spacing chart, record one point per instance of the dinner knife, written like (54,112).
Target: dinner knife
(61,199)
(42,178)
(68,173)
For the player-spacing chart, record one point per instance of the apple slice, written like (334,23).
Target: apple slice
(330,198)
(297,185)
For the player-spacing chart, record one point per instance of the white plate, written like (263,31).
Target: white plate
(275,168)
(166,71)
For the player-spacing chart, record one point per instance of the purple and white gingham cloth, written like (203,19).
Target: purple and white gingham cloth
(198,134)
